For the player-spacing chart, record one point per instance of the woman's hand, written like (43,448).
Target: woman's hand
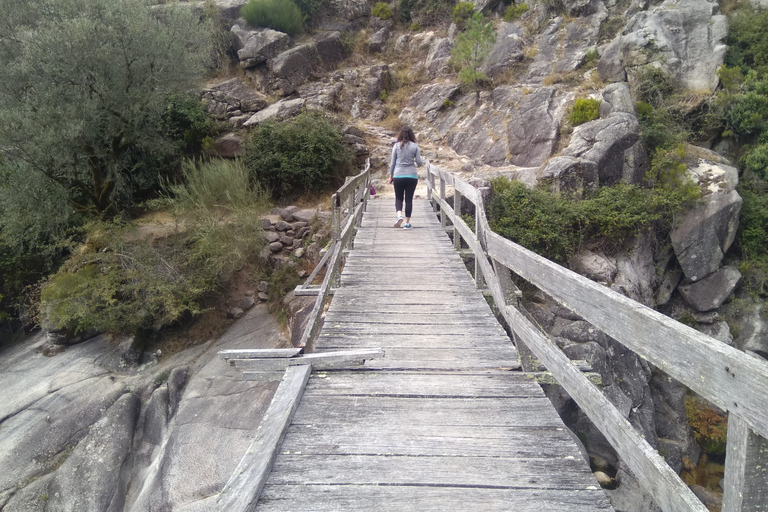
(390,180)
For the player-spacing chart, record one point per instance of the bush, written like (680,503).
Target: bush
(119,284)
(748,40)
(757,161)
(310,7)
(557,225)
(282,15)
(462,12)
(747,115)
(657,128)
(584,110)
(471,49)
(297,156)
(514,12)
(708,423)
(382,10)
(752,236)
(652,85)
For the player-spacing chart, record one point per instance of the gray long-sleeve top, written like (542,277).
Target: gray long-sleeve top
(405,160)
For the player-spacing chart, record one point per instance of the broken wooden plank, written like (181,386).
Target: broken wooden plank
(320,360)
(244,487)
(259,353)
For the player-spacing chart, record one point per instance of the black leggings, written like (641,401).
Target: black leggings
(404,189)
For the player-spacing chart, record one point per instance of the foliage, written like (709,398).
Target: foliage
(281,15)
(610,27)
(297,156)
(222,40)
(708,423)
(85,86)
(120,284)
(748,40)
(747,115)
(425,12)
(514,12)
(584,110)
(310,7)
(591,58)
(652,85)
(471,49)
(752,236)
(657,128)
(462,12)
(382,10)
(558,225)
(756,161)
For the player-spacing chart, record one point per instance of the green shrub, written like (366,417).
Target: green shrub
(748,40)
(757,161)
(382,10)
(709,424)
(462,12)
(558,225)
(591,58)
(310,7)
(584,110)
(297,156)
(747,115)
(120,284)
(652,85)
(657,128)
(282,15)
(752,236)
(471,49)
(514,12)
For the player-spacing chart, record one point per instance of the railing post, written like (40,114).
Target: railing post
(746,469)
(443,217)
(457,212)
(336,217)
(479,236)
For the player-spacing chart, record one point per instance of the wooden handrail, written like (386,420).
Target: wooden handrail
(355,193)
(722,374)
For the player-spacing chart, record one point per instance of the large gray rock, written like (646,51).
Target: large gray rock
(636,276)
(630,495)
(568,174)
(596,266)
(507,51)
(438,56)
(228,146)
(670,419)
(349,9)
(431,98)
(682,37)
(703,234)
(321,96)
(751,321)
(280,110)
(617,98)
(330,49)
(256,45)
(533,131)
(604,141)
(231,95)
(710,293)
(91,478)
(609,67)
(292,68)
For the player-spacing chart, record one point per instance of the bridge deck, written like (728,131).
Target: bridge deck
(440,423)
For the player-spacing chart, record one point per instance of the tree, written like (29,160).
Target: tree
(83,105)
(472,48)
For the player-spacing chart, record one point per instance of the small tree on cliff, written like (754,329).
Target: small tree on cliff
(85,94)
(472,49)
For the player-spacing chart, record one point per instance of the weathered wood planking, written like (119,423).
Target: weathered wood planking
(244,487)
(258,353)
(746,473)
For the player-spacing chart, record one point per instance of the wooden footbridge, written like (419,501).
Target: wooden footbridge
(409,396)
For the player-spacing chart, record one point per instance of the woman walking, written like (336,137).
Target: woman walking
(406,156)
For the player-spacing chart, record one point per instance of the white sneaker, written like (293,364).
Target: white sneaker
(399,222)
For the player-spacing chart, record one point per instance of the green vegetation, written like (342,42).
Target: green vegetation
(584,110)
(748,41)
(462,12)
(709,424)
(310,7)
(558,225)
(282,15)
(472,48)
(297,156)
(426,13)
(514,12)
(120,284)
(382,10)
(92,114)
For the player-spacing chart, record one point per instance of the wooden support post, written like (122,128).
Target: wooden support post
(512,294)
(457,212)
(443,216)
(746,469)
(479,280)
(336,218)
(245,485)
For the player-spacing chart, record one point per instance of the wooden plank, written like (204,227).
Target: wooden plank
(722,374)
(432,412)
(316,498)
(242,490)
(669,492)
(320,361)
(421,328)
(434,343)
(499,473)
(258,353)
(427,385)
(313,322)
(746,469)
(447,441)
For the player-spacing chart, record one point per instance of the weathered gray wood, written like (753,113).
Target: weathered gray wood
(720,373)
(265,376)
(548,378)
(258,353)
(313,323)
(320,361)
(299,498)
(320,265)
(669,492)
(746,469)
(244,487)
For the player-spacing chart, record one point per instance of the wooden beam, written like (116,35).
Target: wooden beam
(319,360)
(242,491)
(259,353)
(746,469)
(722,374)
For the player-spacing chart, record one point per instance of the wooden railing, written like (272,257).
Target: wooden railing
(348,205)
(733,380)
